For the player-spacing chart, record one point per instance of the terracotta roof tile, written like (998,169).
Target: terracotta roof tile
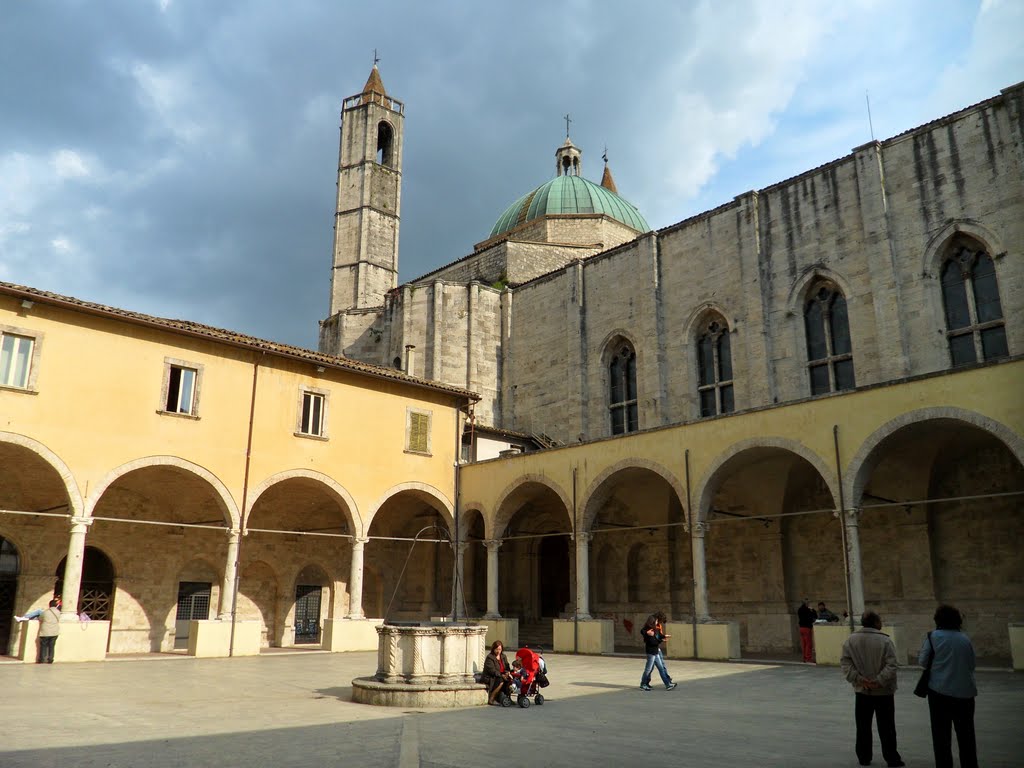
(229,337)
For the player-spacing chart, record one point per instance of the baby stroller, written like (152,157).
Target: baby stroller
(532,677)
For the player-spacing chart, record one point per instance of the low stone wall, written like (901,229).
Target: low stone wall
(715,640)
(78,641)
(829,639)
(340,635)
(586,636)
(212,638)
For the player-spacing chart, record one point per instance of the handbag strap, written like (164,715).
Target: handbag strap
(931,656)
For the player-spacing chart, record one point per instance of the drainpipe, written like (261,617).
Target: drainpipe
(245,496)
(456,545)
(842,525)
(576,607)
(693,565)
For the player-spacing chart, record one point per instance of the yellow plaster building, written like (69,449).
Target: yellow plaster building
(153,472)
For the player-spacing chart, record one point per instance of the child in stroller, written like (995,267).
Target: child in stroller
(529,676)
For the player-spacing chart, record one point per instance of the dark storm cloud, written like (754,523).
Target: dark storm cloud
(179,158)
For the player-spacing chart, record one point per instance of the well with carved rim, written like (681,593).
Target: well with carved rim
(425,664)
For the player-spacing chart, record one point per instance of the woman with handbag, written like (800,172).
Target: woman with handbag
(951,688)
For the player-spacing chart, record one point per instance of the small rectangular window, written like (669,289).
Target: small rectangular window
(181,387)
(15,360)
(418,432)
(312,422)
(312,412)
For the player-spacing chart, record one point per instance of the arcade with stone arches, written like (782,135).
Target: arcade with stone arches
(157,543)
(932,500)
(733,520)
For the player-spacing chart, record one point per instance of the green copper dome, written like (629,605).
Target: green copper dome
(569,194)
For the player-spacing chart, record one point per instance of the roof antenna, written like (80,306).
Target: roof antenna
(871,127)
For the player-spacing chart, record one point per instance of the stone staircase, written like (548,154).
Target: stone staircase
(536,634)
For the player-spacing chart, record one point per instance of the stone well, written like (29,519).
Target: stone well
(425,664)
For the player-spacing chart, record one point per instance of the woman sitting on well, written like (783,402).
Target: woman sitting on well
(497,674)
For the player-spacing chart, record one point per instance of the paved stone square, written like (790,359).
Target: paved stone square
(296,710)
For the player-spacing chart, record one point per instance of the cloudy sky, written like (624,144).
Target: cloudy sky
(177,157)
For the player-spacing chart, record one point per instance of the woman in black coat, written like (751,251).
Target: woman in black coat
(497,673)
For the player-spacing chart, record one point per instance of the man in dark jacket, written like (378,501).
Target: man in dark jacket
(805,618)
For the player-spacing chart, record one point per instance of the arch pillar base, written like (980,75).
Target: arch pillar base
(584,636)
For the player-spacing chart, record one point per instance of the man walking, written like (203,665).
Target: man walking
(869,664)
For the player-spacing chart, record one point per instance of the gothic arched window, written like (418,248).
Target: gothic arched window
(975,328)
(829,351)
(622,402)
(714,366)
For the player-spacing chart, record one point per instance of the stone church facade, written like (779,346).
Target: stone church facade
(896,268)
(532,318)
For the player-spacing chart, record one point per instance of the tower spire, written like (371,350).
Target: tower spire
(606,178)
(374,85)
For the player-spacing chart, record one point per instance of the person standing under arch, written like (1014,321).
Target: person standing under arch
(49,629)
(951,688)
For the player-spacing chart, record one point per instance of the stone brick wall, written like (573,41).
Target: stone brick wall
(872,222)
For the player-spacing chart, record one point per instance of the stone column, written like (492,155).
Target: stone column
(700,572)
(583,575)
(227,587)
(855,572)
(73,568)
(459,587)
(355,579)
(493,545)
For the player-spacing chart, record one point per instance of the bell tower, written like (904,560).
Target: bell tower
(366,217)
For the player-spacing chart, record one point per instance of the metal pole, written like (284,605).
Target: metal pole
(693,565)
(842,524)
(245,495)
(576,608)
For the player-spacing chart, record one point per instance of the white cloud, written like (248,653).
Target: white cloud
(69,164)
(168,95)
(62,245)
(727,89)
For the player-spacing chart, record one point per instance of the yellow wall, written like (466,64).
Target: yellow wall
(988,397)
(98,399)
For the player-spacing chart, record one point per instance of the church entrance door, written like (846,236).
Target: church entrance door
(553,571)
